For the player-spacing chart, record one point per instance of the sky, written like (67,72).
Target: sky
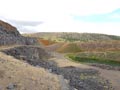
(84,16)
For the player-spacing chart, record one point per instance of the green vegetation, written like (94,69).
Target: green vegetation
(85,37)
(87,47)
(110,55)
(93,60)
(114,37)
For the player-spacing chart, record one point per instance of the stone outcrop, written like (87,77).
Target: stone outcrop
(31,53)
(9,35)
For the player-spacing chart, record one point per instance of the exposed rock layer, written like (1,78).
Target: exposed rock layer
(9,35)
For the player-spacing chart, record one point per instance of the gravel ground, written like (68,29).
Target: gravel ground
(77,78)
(108,67)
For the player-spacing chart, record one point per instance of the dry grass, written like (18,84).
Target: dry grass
(69,48)
(100,46)
(97,46)
(55,46)
(25,76)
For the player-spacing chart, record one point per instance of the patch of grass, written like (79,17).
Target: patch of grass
(93,60)
(107,55)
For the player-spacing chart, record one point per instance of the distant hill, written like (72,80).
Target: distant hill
(77,42)
(63,36)
(71,47)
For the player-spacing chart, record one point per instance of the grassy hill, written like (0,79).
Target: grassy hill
(88,37)
(85,47)
(74,36)
(69,48)
(98,46)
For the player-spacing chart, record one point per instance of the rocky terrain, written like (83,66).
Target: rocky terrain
(25,65)
(30,53)
(17,75)
(77,78)
(9,35)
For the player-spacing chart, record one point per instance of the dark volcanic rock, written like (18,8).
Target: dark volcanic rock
(9,35)
(6,28)
(30,53)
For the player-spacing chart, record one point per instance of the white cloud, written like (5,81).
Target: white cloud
(115,16)
(56,14)
(87,7)
(44,9)
(72,26)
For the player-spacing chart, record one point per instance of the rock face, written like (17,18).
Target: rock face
(9,35)
(28,53)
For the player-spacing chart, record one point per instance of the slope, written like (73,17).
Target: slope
(9,35)
(72,36)
(17,75)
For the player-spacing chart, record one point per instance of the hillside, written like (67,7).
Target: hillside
(41,63)
(9,35)
(85,46)
(69,48)
(17,75)
(15,72)
(63,36)
(57,77)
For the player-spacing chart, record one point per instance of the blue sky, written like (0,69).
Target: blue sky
(91,16)
(113,16)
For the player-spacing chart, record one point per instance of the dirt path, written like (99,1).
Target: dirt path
(110,75)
